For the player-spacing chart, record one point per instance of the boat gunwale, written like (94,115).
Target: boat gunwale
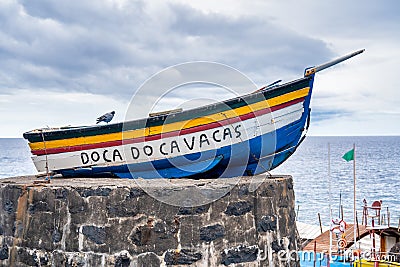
(146,138)
(37,135)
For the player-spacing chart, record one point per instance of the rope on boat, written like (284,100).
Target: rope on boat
(45,152)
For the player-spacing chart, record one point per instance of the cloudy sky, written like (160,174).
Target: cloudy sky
(67,62)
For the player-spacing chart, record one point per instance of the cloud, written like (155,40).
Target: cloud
(358,124)
(27,110)
(111,47)
(328,19)
(108,49)
(248,43)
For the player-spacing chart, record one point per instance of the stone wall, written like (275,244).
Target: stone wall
(114,222)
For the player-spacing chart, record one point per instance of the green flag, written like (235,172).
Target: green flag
(349,155)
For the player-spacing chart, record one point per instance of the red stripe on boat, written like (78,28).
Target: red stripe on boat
(169,134)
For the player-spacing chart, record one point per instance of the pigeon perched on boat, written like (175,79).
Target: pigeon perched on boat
(106,117)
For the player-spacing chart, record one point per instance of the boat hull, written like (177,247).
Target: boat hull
(248,135)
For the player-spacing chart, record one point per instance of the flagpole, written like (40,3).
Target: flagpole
(330,208)
(354,194)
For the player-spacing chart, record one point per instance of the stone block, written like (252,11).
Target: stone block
(115,222)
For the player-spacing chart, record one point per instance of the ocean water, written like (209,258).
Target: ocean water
(15,158)
(377,174)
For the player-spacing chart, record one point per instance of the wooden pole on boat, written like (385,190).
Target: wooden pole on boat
(313,70)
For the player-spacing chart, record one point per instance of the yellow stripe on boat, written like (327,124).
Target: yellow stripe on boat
(176,126)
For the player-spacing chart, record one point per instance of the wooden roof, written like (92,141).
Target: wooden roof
(322,241)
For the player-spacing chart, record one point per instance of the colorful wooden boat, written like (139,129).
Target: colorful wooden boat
(245,135)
